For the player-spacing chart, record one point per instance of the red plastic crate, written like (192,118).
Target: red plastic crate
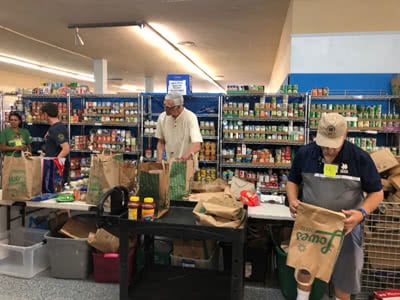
(106,266)
(387,295)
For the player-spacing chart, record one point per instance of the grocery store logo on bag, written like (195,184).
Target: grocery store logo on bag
(17,182)
(325,238)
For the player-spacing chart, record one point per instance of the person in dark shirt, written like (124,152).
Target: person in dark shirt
(56,138)
(335,174)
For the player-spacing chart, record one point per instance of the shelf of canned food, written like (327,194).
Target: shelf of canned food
(205,174)
(266,119)
(256,165)
(263,189)
(263,141)
(208,161)
(374,130)
(96,151)
(266,181)
(354,97)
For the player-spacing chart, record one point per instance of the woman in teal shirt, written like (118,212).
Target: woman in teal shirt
(15,138)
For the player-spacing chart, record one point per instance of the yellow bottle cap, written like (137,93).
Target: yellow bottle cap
(134,198)
(148,200)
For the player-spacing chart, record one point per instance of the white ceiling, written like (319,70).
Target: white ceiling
(234,38)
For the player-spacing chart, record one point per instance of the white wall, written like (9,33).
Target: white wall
(376,52)
(282,60)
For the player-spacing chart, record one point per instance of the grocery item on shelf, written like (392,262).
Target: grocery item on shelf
(264,109)
(268,156)
(289,89)
(320,92)
(108,111)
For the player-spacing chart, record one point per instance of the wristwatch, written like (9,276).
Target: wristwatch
(363,212)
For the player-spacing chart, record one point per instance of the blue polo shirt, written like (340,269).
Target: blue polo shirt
(356,174)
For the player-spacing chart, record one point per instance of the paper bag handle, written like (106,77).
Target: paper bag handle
(163,165)
(296,276)
(106,150)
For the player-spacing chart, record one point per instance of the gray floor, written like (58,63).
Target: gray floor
(44,287)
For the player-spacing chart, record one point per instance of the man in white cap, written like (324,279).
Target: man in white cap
(178,131)
(354,172)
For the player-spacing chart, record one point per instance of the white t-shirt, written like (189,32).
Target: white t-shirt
(178,133)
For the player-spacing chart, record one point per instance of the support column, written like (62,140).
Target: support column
(148,84)
(100,76)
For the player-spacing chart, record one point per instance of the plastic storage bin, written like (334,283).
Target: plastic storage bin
(25,255)
(287,282)
(211,263)
(69,258)
(106,266)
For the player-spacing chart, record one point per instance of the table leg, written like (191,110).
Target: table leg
(237,270)
(8,217)
(123,264)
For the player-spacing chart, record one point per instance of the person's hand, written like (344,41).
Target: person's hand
(61,160)
(20,148)
(293,204)
(354,217)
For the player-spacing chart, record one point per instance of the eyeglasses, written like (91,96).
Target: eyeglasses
(170,107)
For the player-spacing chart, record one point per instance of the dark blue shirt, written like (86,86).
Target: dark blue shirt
(55,136)
(351,161)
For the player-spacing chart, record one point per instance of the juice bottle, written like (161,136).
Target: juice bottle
(133,208)
(148,208)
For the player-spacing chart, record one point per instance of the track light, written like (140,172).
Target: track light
(78,39)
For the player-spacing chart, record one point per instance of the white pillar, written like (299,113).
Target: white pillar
(100,76)
(148,84)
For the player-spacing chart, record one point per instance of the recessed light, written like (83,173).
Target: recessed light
(187,44)
(219,76)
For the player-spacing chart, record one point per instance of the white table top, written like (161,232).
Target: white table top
(270,211)
(51,203)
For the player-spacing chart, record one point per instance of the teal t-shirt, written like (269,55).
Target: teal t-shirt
(11,138)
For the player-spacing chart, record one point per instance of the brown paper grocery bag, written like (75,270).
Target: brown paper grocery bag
(21,177)
(128,175)
(220,212)
(239,185)
(103,175)
(154,182)
(181,174)
(315,242)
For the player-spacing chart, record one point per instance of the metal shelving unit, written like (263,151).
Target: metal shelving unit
(352,105)
(232,111)
(39,127)
(153,106)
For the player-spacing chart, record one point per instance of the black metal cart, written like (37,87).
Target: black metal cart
(171,282)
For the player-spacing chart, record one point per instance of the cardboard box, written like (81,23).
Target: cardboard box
(395,181)
(395,170)
(395,84)
(387,295)
(179,84)
(383,257)
(194,248)
(387,186)
(384,160)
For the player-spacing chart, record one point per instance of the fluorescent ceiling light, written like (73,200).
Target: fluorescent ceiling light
(22,62)
(128,87)
(150,34)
